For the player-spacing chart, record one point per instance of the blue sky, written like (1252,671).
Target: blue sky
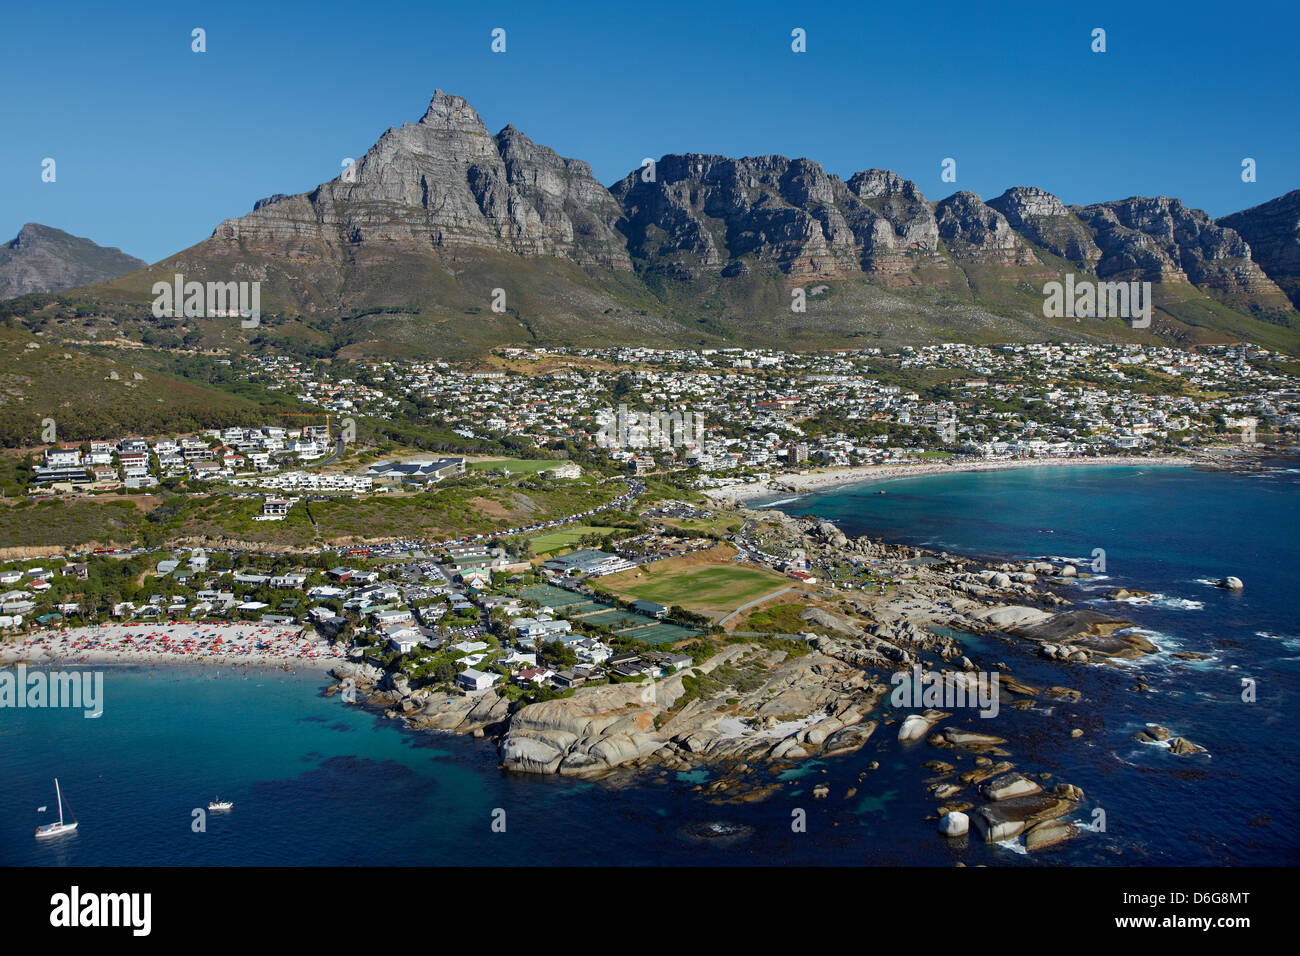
(155,144)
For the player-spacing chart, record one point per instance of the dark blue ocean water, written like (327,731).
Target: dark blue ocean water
(316,781)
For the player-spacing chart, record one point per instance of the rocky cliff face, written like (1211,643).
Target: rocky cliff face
(703,215)
(1160,239)
(446,183)
(979,233)
(893,222)
(709,212)
(43,259)
(440,213)
(1042,218)
(705,212)
(1273,231)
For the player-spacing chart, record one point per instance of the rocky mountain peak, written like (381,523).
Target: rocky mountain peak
(1042,218)
(1159,238)
(1021,202)
(979,232)
(446,183)
(1273,231)
(30,234)
(44,259)
(451,113)
(882,183)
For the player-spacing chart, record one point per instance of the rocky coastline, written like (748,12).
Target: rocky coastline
(757,707)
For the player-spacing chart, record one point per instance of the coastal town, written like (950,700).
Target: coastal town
(614,566)
(708,430)
(720,416)
(735,441)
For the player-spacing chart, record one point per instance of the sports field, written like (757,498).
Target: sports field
(710,589)
(718,524)
(636,626)
(565,537)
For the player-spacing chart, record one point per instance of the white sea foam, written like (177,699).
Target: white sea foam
(1166,642)
(1163,600)
(1288,641)
(1181,604)
(1093,583)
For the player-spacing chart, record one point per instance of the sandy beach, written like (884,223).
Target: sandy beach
(823,479)
(163,643)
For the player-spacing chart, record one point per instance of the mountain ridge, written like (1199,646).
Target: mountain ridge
(440,213)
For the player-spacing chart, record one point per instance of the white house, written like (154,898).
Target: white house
(404,640)
(475,681)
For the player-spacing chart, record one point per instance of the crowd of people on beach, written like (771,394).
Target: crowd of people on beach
(215,642)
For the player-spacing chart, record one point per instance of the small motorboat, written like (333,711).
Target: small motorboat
(220,805)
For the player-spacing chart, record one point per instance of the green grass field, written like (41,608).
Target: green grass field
(712,589)
(718,524)
(565,537)
(515,466)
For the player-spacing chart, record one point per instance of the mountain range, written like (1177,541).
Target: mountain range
(403,254)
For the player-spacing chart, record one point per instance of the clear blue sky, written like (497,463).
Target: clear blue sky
(156,144)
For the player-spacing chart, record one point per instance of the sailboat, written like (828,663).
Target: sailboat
(54,829)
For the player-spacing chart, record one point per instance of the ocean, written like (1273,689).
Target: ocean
(316,781)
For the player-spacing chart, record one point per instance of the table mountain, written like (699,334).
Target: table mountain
(44,259)
(409,246)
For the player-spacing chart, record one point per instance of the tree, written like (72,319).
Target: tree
(445,671)
(557,655)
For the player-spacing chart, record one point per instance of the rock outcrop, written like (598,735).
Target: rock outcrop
(1161,240)
(1273,231)
(1042,218)
(812,704)
(446,183)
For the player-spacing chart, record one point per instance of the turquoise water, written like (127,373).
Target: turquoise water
(316,781)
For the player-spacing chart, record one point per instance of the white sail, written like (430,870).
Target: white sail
(41,809)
